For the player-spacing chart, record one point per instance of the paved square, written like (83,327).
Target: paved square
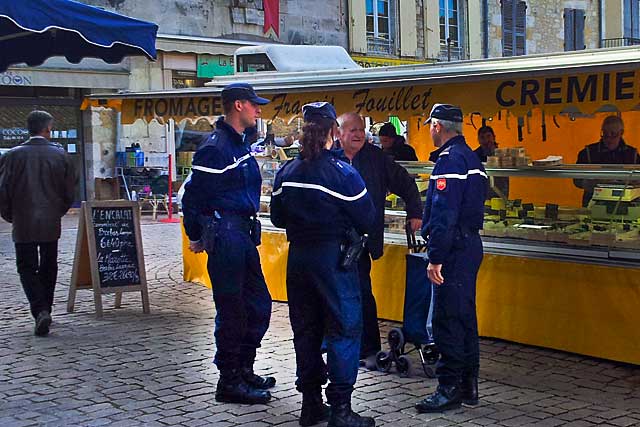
(131,369)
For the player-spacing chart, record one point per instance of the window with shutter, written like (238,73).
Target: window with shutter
(514,27)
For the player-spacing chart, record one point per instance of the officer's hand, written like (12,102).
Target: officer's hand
(196,247)
(415,224)
(434,273)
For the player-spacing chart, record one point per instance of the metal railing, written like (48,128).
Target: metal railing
(622,41)
(451,53)
(380,46)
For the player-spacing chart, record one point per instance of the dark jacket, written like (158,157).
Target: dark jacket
(37,184)
(598,154)
(455,198)
(320,199)
(400,151)
(381,175)
(226,178)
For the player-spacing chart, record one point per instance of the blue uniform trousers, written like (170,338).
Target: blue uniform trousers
(324,302)
(242,300)
(455,325)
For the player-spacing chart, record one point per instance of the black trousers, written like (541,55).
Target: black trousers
(243,302)
(370,343)
(38,269)
(455,324)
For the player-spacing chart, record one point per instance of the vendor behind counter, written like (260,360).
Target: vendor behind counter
(611,149)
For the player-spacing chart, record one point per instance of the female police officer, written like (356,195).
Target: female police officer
(318,199)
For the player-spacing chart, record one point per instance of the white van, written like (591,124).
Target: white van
(288,58)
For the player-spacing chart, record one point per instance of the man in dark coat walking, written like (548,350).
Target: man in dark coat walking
(37,185)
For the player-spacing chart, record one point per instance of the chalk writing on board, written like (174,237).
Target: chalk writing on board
(116,250)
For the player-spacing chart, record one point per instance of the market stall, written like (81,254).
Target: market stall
(555,274)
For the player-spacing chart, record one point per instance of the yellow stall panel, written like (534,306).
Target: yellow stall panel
(581,308)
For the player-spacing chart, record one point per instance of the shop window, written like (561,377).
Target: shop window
(381,24)
(574,29)
(185,79)
(451,25)
(514,27)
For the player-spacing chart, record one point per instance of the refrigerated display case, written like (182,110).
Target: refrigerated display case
(554,274)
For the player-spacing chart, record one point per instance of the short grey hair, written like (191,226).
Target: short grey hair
(449,126)
(347,117)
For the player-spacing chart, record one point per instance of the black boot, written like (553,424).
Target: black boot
(233,389)
(446,397)
(314,411)
(343,416)
(257,381)
(469,390)
(43,321)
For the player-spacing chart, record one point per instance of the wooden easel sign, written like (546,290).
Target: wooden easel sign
(109,257)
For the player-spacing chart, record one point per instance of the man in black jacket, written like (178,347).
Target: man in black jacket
(381,175)
(395,145)
(37,184)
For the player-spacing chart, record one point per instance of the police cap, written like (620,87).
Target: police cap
(447,112)
(315,110)
(241,92)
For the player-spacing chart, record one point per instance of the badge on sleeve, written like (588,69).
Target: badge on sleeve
(441,184)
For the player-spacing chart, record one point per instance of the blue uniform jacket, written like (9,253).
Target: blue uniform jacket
(226,178)
(455,198)
(381,175)
(320,199)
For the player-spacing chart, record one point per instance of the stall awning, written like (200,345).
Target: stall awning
(200,45)
(574,83)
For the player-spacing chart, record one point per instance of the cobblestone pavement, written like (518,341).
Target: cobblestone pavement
(131,369)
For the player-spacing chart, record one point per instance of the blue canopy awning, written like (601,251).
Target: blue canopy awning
(33,30)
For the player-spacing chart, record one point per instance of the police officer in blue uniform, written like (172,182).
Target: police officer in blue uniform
(318,199)
(453,216)
(220,204)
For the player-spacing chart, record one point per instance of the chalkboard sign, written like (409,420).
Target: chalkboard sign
(116,253)
(109,256)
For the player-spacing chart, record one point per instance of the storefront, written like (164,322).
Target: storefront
(555,274)
(59,88)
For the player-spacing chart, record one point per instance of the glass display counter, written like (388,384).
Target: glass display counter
(550,223)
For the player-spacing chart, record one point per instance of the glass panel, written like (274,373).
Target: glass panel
(370,28)
(383,8)
(383,26)
(441,5)
(443,34)
(369,7)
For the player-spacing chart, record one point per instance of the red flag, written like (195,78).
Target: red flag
(272,16)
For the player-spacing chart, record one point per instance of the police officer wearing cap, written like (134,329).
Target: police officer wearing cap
(318,199)
(220,205)
(453,216)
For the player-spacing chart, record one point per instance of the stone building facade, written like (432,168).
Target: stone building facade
(197,39)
